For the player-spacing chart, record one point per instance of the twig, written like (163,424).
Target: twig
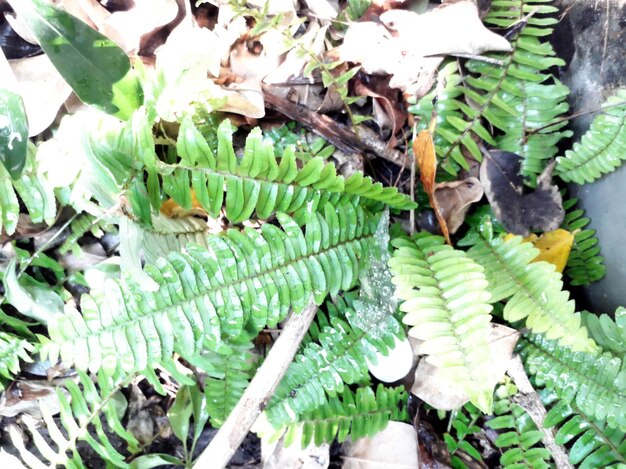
(340,136)
(261,388)
(529,400)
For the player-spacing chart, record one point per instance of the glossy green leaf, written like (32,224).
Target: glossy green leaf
(98,71)
(13,132)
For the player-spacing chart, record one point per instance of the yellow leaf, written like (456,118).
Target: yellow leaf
(554,247)
(171,209)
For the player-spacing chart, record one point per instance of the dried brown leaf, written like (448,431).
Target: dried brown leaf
(518,209)
(455,198)
(410,46)
(393,448)
(433,386)
(426,159)
(43,90)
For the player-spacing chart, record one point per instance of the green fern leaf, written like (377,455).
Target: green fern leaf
(592,444)
(257,182)
(608,333)
(534,290)
(447,303)
(204,295)
(601,149)
(81,226)
(339,356)
(518,439)
(353,415)
(596,384)
(81,416)
(585,265)
(12,350)
(518,97)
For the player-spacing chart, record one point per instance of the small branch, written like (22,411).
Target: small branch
(339,135)
(529,400)
(261,388)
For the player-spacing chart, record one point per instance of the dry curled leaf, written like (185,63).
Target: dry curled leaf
(519,210)
(43,90)
(410,46)
(426,159)
(434,387)
(455,198)
(394,447)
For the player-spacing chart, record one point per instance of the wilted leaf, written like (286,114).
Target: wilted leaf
(520,211)
(426,158)
(98,71)
(554,247)
(393,448)
(27,397)
(454,200)
(434,387)
(410,47)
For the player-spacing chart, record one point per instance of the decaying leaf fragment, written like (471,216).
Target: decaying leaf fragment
(394,447)
(518,210)
(410,47)
(426,159)
(433,386)
(455,198)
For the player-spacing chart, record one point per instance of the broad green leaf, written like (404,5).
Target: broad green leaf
(13,132)
(13,122)
(95,67)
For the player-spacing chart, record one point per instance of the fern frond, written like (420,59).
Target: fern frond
(518,98)
(447,302)
(596,384)
(519,439)
(34,191)
(81,416)
(608,333)
(340,356)
(585,265)
(535,290)
(259,182)
(591,444)
(222,394)
(352,415)
(12,350)
(601,149)
(243,278)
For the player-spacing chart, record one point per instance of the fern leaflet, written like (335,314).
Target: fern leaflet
(520,440)
(82,412)
(585,264)
(608,333)
(591,443)
(354,414)
(12,350)
(447,303)
(601,149)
